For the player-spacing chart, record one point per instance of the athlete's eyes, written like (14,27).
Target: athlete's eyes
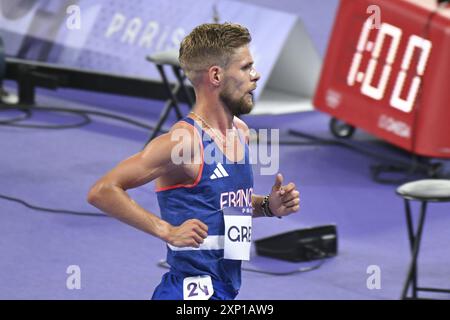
(248,66)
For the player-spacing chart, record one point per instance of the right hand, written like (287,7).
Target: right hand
(189,234)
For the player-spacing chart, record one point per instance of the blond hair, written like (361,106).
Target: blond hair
(211,44)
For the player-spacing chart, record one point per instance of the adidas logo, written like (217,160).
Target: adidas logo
(219,172)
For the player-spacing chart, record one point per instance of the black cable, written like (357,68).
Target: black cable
(85,119)
(405,165)
(82,112)
(120,118)
(297,143)
(163,264)
(343,143)
(287,273)
(26,115)
(78,213)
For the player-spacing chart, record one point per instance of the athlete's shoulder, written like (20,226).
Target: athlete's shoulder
(183,124)
(182,128)
(186,137)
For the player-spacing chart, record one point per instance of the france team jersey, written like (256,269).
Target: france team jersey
(219,184)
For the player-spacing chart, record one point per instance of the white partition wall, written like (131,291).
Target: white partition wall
(293,79)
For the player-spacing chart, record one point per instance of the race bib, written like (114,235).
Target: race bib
(197,288)
(238,233)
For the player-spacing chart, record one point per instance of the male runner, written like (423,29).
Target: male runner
(201,169)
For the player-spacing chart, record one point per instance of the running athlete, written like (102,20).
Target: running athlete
(202,172)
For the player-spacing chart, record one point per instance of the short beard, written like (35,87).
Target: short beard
(236,107)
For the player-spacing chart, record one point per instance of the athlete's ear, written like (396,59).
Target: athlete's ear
(215,74)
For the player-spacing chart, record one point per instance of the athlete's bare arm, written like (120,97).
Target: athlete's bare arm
(283,200)
(154,162)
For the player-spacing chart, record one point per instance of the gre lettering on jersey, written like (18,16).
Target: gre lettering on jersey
(238,234)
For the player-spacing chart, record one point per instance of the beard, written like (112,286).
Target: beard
(237,107)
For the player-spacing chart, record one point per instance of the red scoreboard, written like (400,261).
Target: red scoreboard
(387,71)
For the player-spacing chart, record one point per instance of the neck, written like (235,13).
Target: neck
(215,113)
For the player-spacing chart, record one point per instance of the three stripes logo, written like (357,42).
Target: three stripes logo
(219,172)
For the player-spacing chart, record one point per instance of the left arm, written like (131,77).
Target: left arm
(283,200)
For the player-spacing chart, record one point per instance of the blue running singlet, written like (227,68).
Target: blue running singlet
(220,183)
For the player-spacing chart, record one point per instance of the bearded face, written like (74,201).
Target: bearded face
(235,98)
